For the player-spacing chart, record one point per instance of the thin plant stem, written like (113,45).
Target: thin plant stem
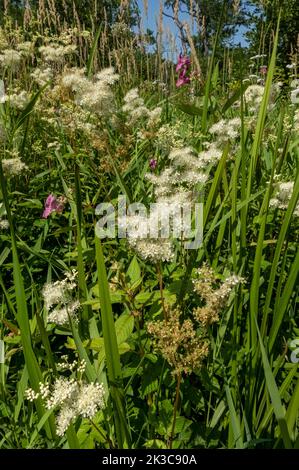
(107,438)
(176,404)
(160,279)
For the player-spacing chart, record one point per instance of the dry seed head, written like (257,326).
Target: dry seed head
(178,343)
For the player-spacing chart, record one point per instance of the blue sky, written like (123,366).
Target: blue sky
(150,21)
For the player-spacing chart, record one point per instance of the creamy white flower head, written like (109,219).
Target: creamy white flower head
(26,48)
(3,96)
(153,250)
(55,53)
(93,95)
(210,156)
(107,76)
(59,301)
(10,58)
(19,100)
(72,397)
(253,97)
(60,316)
(90,399)
(282,195)
(13,166)
(42,76)
(66,415)
(226,129)
(4,224)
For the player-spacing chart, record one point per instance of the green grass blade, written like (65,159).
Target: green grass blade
(274,395)
(112,353)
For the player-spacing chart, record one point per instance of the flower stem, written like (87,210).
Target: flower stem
(107,438)
(176,403)
(160,279)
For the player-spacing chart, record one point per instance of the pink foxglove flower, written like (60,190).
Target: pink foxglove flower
(53,204)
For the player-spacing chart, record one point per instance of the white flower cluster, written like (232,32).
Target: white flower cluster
(226,129)
(185,172)
(135,108)
(258,56)
(59,301)
(10,58)
(73,398)
(151,235)
(25,48)
(168,136)
(55,52)
(42,76)
(282,195)
(13,166)
(253,96)
(94,95)
(19,100)
(4,224)
(71,366)
(295,91)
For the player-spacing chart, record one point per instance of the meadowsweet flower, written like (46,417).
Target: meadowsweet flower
(282,195)
(94,95)
(215,296)
(25,48)
(226,129)
(56,53)
(154,117)
(73,398)
(53,204)
(10,58)
(4,224)
(13,166)
(42,76)
(153,250)
(59,301)
(107,76)
(19,100)
(60,316)
(253,97)
(168,136)
(3,96)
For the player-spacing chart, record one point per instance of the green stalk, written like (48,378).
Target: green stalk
(34,371)
(112,353)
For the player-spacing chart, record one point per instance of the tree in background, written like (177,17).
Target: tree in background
(206,15)
(261,37)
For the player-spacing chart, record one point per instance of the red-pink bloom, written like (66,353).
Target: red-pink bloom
(184,62)
(183,79)
(263,69)
(53,204)
(153,164)
(183,67)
